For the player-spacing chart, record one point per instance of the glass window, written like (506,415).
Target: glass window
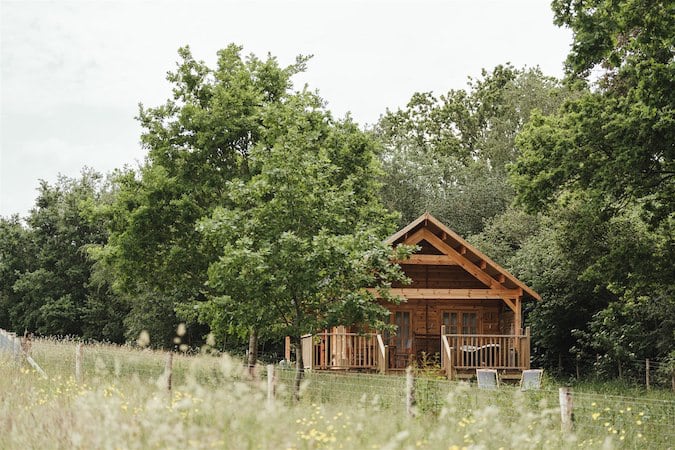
(460,322)
(470,323)
(450,320)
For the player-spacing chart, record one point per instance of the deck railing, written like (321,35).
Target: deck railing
(339,350)
(485,351)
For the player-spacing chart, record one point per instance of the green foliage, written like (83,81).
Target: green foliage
(17,255)
(448,155)
(47,285)
(302,238)
(504,235)
(602,167)
(197,141)
(617,140)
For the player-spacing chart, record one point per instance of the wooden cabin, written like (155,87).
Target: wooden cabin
(462,312)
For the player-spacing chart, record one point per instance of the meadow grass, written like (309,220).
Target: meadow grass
(122,402)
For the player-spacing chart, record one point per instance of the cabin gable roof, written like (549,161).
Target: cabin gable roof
(453,249)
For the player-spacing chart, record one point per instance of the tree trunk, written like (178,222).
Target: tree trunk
(560,363)
(620,370)
(299,368)
(252,351)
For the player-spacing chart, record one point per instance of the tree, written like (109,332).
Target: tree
(505,235)
(614,141)
(52,291)
(448,155)
(197,141)
(17,256)
(302,239)
(603,168)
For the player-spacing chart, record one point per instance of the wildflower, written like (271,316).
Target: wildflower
(595,416)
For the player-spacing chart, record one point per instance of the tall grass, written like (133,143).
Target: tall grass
(122,402)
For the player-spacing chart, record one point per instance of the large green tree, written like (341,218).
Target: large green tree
(615,141)
(17,256)
(603,167)
(47,272)
(302,238)
(197,142)
(448,154)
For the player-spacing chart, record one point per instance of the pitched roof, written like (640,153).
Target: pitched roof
(470,253)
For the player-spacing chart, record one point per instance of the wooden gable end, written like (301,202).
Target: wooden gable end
(447,261)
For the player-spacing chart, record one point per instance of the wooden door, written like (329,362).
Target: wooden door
(403,341)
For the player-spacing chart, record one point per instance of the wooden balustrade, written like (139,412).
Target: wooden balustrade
(339,350)
(487,351)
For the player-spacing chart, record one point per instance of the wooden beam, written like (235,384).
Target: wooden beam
(448,294)
(461,260)
(501,278)
(438,260)
(462,250)
(510,303)
(414,238)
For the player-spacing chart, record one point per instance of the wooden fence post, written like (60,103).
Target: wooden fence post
(78,362)
(647,373)
(270,384)
(168,370)
(409,392)
(566,409)
(16,348)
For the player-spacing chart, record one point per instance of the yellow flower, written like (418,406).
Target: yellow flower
(595,416)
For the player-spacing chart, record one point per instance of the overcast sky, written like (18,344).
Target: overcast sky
(73,72)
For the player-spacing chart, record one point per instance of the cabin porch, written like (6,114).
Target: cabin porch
(456,355)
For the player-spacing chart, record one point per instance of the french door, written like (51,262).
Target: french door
(460,322)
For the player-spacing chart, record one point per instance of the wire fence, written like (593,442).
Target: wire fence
(651,414)
(594,413)
(652,372)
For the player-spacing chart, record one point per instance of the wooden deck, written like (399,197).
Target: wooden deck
(460,355)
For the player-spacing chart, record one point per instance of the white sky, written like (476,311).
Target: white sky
(73,72)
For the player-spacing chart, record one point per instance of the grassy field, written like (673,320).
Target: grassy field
(122,403)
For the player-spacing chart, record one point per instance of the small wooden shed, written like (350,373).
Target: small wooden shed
(462,311)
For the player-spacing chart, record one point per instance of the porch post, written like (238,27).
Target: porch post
(526,350)
(287,349)
(518,316)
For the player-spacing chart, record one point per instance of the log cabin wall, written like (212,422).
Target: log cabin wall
(442,277)
(506,321)
(427,315)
